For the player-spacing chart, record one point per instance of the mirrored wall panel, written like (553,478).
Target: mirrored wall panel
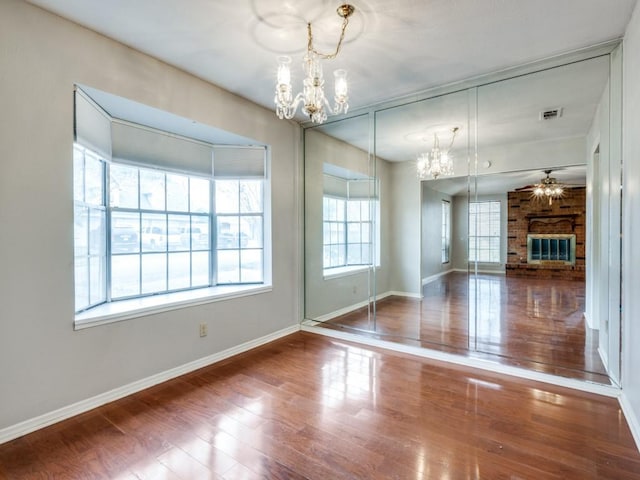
(481,222)
(342,234)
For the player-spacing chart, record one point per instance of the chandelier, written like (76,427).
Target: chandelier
(313,100)
(437,162)
(548,188)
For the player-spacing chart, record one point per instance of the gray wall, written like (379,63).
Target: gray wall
(631,225)
(431,213)
(44,363)
(404,225)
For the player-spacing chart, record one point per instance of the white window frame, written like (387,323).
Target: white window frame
(485,235)
(93,133)
(446,231)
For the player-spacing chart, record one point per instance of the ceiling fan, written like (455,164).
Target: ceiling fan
(548,188)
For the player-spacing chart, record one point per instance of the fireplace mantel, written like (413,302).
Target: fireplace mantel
(551,219)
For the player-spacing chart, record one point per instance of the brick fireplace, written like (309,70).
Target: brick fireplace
(529,218)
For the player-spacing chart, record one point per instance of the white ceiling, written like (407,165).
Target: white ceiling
(392,48)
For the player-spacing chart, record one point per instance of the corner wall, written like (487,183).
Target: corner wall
(631,225)
(44,364)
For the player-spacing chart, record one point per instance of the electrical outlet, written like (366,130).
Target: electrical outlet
(203,330)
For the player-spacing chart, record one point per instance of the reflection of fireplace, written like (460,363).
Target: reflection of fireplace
(551,249)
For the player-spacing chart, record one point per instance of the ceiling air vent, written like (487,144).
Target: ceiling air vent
(551,113)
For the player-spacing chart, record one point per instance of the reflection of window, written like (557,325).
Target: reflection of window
(347,232)
(484,232)
(350,219)
(160,234)
(446,231)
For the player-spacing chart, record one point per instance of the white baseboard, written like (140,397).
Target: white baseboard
(432,278)
(604,358)
(355,306)
(395,293)
(28,426)
(632,419)
(606,390)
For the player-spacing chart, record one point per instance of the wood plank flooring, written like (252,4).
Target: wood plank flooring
(311,407)
(525,322)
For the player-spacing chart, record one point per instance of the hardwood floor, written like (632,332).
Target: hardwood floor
(310,407)
(535,324)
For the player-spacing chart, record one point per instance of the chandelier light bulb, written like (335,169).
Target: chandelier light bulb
(284,70)
(341,88)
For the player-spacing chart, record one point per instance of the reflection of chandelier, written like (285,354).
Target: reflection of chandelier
(548,188)
(312,97)
(437,162)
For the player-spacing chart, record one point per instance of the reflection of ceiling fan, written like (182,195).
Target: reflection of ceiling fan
(548,188)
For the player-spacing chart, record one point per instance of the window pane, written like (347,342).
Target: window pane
(97,232)
(125,228)
(152,191)
(366,253)
(177,193)
(353,211)
(228,266)
(227,196)
(179,270)
(326,256)
(199,234)
(326,233)
(353,254)
(251,265)
(177,225)
(154,232)
(331,209)
(81,274)
(98,278)
(199,198)
(200,269)
(123,191)
(365,214)
(251,232)
(340,209)
(81,230)
(154,273)
(94,180)
(333,233)
(228,232)
(365,229)
(125,275)
(251,196)
(353,233)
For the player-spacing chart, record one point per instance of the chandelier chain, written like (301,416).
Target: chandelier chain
(327,56)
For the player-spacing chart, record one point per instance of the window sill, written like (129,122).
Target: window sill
(140,307)
(330,273)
